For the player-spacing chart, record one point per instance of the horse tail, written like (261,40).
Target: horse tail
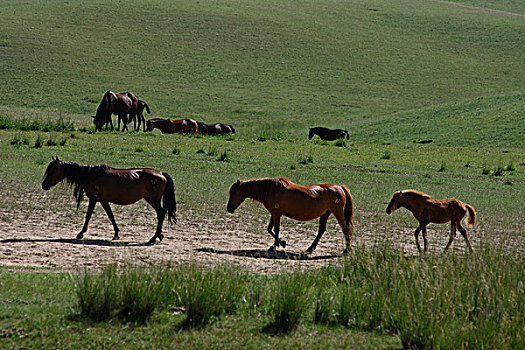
(349,206)
(168,201)
(471,215)
(147,107)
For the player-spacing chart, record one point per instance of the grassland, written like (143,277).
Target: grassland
(394,74)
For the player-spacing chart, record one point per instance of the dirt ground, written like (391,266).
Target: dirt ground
(45,239)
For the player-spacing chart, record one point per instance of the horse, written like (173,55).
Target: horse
(439,211)
(119,103)
(171,126)
(215,129)
(280,197)
(104,184)
(327,134)
(139,116)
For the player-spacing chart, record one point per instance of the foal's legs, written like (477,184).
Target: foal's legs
(111,218)
(339,215)
(322,228)
(464,234)
(91,207)
(452,234)
(416,235)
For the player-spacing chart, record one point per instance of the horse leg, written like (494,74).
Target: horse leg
(161,214)
(339,215)
(275,223)
(464,234)
(322,228)
(111,217)
(91,207)
(424,232)
(416,234)
(452,234)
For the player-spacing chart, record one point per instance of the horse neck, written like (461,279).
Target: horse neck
(257,189)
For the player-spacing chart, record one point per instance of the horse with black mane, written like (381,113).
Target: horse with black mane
(215,129)
(439,211)
(327,134)
(280,197)
(119,103)
(104,184)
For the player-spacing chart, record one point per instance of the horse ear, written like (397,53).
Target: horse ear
(93,116)
(238,182)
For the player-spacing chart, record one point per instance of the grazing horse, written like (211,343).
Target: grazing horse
(172,126)
(215,129)
(439,211)
(280,196)
(104,184)
(119,103)
(327,134)
(139,116)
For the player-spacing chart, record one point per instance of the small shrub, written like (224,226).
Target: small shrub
(321,142)
(139,149)
(498,171)
(386,155)
(510,167)
(200,151)
(38,142)
(293,167)
(305,159)
(443,168)
(63,141)
(212,152)
(261,138)
(51,142)
(19,141)
(485,171)
(224,157)
(176,151)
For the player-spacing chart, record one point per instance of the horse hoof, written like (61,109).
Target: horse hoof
(161,237)
(283,244)
(80,236)
(271,249)
(115,238)
(152,240)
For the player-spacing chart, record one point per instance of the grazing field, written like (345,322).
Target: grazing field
(431,93)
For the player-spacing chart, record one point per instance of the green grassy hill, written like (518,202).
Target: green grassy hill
(262,65)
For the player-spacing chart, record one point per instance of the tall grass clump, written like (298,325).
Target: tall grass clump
(290,301)
(208,294)
(60,124)
(432,302)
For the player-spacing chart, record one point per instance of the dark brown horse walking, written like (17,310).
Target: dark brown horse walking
(141,105)
(439,211)
(215,129)
(104,184)
(280,196)
(119,103)
(172,126)
(327,134)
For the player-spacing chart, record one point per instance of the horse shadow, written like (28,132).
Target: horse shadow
(92,242)
(267,254)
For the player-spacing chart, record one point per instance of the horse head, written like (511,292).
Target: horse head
(311,133)
(236,197)
(54,174)
(394,202)
(149,125)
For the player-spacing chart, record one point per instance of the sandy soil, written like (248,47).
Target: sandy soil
(45,239)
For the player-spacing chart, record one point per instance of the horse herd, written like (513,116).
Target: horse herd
(129,109)
(280,196)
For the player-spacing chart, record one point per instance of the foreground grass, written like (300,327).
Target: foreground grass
(375,298)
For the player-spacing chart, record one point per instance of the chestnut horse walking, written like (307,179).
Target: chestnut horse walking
(280,196)
(439,211)
(327,134)
(172,126)
(104,184)
(119,103)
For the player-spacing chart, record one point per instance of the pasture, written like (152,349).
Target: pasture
(431,94)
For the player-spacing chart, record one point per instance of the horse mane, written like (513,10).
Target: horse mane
(261,188)
(79,176)
(414,193)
